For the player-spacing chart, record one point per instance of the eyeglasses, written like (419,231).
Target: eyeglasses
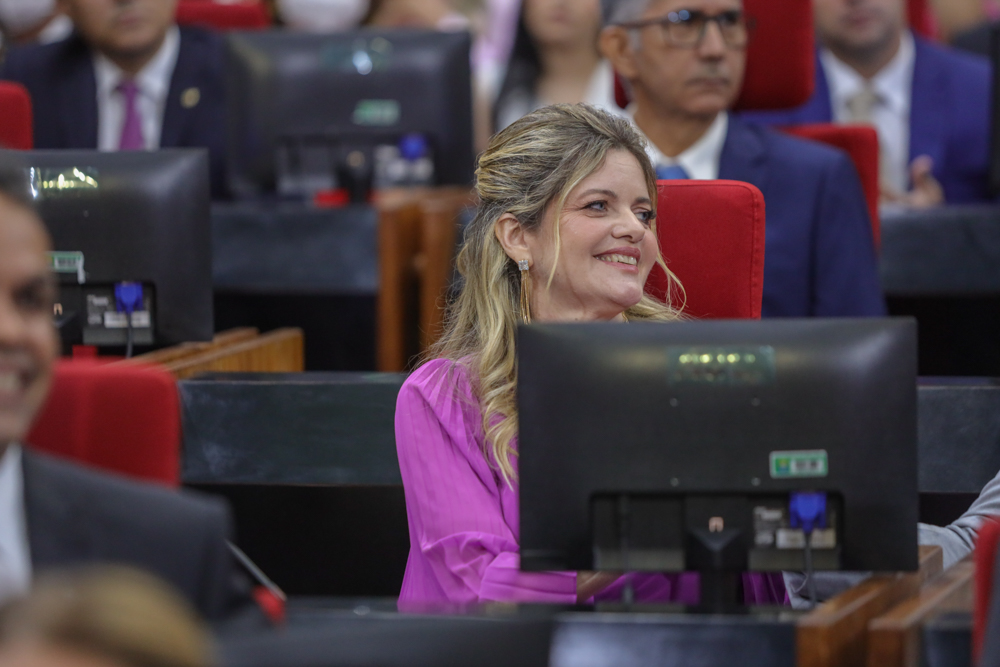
(686,27)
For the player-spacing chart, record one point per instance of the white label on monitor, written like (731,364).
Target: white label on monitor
(794,538)
(113,320)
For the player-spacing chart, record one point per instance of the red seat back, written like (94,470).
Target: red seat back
(861,143)
(15,116)
(712,237)
(119,417)
(781,55)
(985,557)
(780,70)
(249,15)
(921,18)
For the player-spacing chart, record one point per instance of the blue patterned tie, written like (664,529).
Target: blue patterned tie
(671,172)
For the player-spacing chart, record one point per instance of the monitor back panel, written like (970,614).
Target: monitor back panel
(694,409)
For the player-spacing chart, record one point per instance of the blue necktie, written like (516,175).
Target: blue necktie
(671,172)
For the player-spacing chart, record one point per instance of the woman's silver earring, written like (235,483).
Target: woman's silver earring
(522,266)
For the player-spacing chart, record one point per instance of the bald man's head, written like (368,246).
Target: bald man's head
(28,341)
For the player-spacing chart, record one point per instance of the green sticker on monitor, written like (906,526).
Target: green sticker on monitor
(799,463)
(68,262)
(378,113)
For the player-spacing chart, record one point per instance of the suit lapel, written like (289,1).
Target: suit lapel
(175,115)
(744,157)
(56,535)
(819,106)
(928,120)
(77,94)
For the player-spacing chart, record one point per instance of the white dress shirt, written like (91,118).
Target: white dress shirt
(701,159)
(891,116)
(153,82)
(15,552)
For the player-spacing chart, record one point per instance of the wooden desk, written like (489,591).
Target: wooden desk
(236,350)
(894,638)
(835,634)
(417,235)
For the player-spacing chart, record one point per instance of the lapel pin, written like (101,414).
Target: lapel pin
(190,98)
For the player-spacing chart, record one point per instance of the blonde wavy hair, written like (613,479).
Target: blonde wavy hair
(528,168)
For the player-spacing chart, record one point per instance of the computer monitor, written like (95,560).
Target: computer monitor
(643,445)
(129,216)
(352,109)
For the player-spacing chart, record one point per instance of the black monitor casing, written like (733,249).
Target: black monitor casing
(607,409)
(356,89)
(136,216)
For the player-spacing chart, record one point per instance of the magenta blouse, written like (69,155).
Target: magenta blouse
(463,518)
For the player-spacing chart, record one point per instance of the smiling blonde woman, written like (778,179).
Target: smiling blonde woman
(565,232)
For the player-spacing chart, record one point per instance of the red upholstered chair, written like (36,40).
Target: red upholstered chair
(861,143)
(249,15)
(921,18)
(782,42)
(712,237)
(985,557)
(15,116)
(119,417)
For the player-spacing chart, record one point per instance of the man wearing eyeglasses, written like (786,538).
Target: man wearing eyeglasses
(929,104)
(683,61)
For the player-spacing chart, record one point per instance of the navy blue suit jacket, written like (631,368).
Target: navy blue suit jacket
(60,78)
(819,254)
(949,117)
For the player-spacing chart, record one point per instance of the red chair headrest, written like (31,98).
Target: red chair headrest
(711,235)
(861,143)
(16,129)
(250,15)
(985,557)
(781,56)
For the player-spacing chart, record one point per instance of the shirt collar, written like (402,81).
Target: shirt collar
(13,531)
(153,80)
(892,82)
(701,159)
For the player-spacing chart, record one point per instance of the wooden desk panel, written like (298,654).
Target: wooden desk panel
(894,637)
(835,633)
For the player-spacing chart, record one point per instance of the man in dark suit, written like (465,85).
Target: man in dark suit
(684,62)
(56,514)
(929,104)
(127,78)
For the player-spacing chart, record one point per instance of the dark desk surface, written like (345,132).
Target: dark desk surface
(338,428)
(294,248)
(952,250)
(762,638)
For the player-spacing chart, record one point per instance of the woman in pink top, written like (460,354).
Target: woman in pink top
(565,232)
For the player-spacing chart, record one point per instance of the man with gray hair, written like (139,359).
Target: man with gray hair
(683,61)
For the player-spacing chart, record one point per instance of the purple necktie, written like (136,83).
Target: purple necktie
(132,127)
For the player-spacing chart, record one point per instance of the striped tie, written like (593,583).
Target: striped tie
(132,139)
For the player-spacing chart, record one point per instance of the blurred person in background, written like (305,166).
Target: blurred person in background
(322,15)
(929,104)
(27,21)
(684,61)
(102,617)
(431,14)
(128,78)
(554,60)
